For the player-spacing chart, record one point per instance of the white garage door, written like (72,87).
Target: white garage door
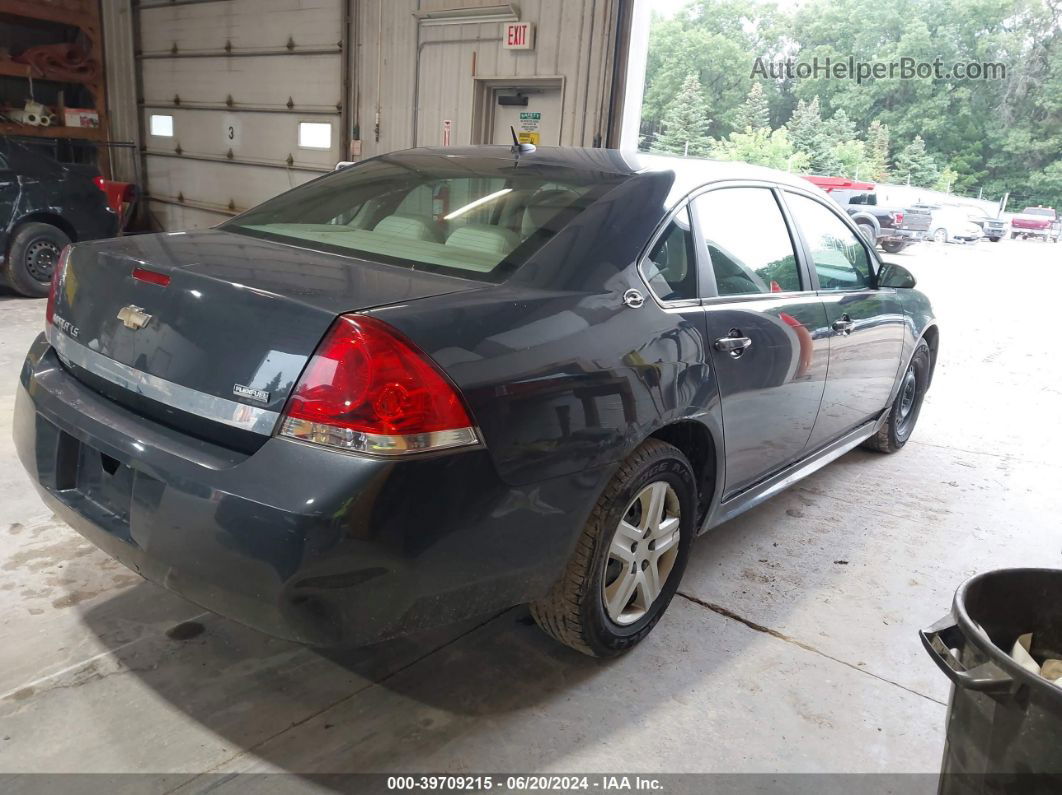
(241,100)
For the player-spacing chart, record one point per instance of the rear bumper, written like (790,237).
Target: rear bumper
(901,235)
(303,543)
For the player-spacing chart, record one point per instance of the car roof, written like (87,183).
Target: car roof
(689,172)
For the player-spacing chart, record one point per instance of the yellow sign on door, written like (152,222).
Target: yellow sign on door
(527,137)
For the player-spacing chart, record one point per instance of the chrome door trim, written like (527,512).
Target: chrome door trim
(182,398)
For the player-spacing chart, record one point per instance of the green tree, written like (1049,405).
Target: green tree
(877,152)
(686,122)
(945,180)
(761,147)
(915,166)
(999,134)
(754,114)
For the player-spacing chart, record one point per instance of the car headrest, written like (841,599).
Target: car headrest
(543,206)
(410,227)
(494,240)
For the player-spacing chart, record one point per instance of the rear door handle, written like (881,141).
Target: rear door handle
(844,325)
(735,344)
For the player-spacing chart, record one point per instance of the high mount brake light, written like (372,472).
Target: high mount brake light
(369,390)
(57,278)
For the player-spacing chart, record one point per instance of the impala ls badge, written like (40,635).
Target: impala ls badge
(134,317)
(259,395)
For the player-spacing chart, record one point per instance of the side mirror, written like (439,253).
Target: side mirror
(897,276)
(343,164)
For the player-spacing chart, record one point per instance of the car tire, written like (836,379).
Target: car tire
(656,478)
(904,411)
(31,258)
(1013,235)
(893,247)
(868,232)
(940,235)
(994,239)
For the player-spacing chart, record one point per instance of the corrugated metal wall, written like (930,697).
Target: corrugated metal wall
(575,40)
(263,66)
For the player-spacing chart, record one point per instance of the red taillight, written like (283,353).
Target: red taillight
(898,218)
(57,278)
(367,389)
(151,277)
(99,183)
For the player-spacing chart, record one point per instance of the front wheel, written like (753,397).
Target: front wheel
(903,414)
(893,247)
(941,235)
(629,557)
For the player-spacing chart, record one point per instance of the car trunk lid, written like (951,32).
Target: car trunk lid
(217,328)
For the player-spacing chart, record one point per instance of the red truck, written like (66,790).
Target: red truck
(1036,222)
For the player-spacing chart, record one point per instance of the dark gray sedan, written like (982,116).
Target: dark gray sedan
(447,381)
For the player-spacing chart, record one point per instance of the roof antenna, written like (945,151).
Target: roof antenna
(518,148)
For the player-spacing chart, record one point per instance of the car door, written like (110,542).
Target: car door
(865,321)
(766,328)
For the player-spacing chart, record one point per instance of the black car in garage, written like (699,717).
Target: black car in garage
(447,381)
(44,206)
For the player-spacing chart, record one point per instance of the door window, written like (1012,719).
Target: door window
(671,267)
(840,260)
(748,242)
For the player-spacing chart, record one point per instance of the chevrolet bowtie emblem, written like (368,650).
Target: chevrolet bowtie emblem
(133,317)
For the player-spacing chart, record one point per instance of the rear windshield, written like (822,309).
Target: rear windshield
(474,217)
(1046,211)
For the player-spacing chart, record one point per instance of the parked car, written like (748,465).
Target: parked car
(995,229)
(1036,222)
(446,381)
(44,205)
(891,227)
(950,224)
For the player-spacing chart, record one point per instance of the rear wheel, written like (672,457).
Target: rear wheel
(940,235)
(893,247)
(904,411)
(31,259)
(868,232)
(629,558)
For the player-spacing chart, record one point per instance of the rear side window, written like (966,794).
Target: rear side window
(748,241)
(29,163)
(840,260)
(671,268)
(475,217)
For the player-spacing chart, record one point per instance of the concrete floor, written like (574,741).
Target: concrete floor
(792,647)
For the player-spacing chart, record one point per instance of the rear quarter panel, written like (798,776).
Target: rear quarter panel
(918,318)
(73,203)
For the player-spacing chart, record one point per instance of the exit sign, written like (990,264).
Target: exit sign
(519,36)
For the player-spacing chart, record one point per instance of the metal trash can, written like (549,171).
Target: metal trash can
(1004,723)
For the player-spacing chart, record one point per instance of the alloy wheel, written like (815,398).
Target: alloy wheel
(642,553)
